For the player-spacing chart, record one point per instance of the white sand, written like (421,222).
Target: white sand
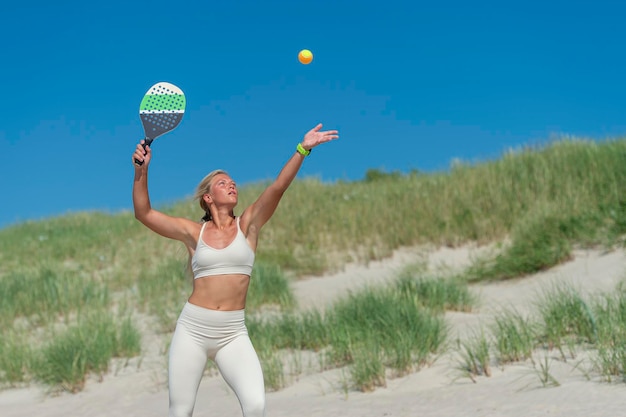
(138,389)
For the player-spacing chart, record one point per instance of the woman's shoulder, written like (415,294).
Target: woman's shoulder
(192,227)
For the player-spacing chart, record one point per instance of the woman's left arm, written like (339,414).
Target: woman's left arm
(259,212)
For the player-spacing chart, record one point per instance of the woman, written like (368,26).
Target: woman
(222,249)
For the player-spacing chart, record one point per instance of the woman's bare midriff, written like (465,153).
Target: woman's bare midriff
(220,292)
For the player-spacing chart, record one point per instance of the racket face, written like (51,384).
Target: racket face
(161,109)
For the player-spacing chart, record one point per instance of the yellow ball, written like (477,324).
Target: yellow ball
(305,56)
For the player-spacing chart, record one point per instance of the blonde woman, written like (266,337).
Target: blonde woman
(222,249)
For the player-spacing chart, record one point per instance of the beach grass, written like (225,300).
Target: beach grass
(535,204)
(563,320)
(349,333)
(71,353)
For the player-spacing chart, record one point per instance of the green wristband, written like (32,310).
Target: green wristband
(301,150)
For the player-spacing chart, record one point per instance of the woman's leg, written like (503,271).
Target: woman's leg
(187,361)
(240,367)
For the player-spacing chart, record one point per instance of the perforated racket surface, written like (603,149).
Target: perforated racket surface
(161,110)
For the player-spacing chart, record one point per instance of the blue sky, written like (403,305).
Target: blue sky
(409,85)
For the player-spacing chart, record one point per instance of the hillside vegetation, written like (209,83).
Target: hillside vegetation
(79,281)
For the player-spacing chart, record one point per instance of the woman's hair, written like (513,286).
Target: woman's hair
(203,188)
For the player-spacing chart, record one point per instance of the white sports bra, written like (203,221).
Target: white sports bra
(236,258)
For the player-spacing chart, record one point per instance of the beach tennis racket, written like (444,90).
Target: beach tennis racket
(161,111)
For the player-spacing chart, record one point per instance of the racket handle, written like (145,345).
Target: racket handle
(146,142)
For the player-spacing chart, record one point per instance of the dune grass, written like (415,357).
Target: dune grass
(578,183)
(349,333)
(83,348)
(564,320)
(536,204)
(474,355)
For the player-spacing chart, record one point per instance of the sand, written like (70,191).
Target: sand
(137,388)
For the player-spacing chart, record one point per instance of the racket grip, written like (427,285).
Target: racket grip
(146,142)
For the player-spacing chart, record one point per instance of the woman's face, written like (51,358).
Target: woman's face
(223,189)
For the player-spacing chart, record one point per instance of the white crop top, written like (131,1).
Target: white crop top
(236,258)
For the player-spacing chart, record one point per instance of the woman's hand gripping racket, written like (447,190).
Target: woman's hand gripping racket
(161,111)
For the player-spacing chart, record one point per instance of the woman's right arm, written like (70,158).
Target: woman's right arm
(177,228)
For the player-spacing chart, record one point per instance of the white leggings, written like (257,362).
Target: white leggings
(222,336)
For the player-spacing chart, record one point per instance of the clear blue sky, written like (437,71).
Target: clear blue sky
(409,84)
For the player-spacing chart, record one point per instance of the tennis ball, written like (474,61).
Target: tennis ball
(305,56)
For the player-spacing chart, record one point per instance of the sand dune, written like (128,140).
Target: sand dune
(138,389)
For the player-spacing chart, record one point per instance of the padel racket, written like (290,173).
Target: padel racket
(161,111)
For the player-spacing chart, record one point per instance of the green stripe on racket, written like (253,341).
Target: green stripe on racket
(161,111)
